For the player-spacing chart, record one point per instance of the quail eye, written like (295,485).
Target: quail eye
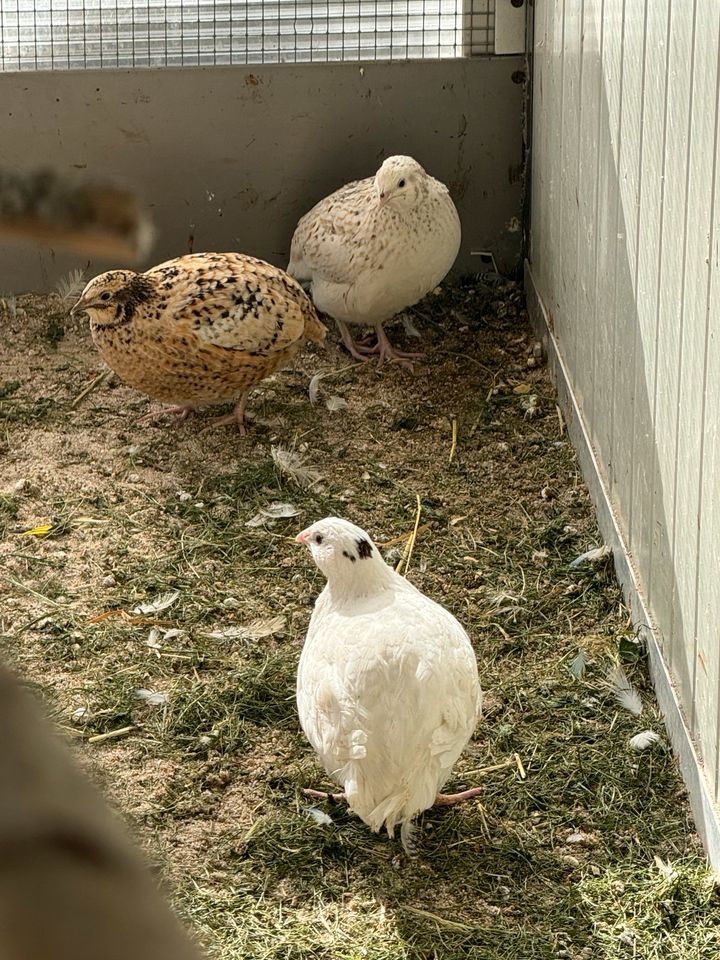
(318,538)
(105,296)
(402,183)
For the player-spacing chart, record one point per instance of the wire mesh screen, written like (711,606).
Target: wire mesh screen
(64,34)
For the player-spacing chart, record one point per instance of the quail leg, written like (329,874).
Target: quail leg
(450,799)
(441,800)
(181,410)
(325,795)
(386,351)
(357,350)
(236,417)
(382,348)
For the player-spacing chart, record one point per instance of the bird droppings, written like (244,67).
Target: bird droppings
(211,781)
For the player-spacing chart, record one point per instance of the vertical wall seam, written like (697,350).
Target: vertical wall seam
(561,145)
(681,323)
(656,471)
(618,213)
(598,140)
(703,407)
(578,233)
(636,344)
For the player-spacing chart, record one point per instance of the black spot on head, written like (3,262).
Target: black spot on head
(138,290)
(364,548)
(351,557)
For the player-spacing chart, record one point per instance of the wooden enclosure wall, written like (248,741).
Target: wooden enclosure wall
(624,258)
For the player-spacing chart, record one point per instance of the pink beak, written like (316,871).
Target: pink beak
(302,537)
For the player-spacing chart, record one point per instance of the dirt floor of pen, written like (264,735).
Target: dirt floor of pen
(138,558)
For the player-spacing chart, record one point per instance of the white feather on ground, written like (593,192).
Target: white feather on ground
(314,387)
(255,630)
(591,556)
(319,816)
(271,513)
(666,869)
(153,697)
(292,464)
(643,740)
(162,602)
(625,693)
(579,663)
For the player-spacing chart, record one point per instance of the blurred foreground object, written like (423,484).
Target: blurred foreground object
(96,218)
(71,885)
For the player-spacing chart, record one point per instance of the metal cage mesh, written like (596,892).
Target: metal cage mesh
(66,34)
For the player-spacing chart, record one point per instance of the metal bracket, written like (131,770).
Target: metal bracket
(510,26)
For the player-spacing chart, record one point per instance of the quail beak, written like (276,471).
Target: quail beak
(383,199)
(78,307)
(302,537)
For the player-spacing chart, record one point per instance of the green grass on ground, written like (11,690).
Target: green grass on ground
(580,848)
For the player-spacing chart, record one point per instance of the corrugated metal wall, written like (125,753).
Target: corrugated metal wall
(625,257)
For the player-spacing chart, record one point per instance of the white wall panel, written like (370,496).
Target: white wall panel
(663,591)
(626,242)
(652,189)
(626,238)
(693,346)
(591,124)
(540,146)
(553,118)
(568,205)
(707,687)
(601,424)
